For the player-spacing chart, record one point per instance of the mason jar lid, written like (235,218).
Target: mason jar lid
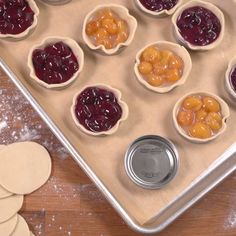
(151,161)
(56,2)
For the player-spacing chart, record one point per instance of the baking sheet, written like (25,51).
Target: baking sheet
(150,113)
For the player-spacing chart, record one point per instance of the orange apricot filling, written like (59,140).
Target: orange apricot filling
(160,67)
(200,116)
(107,28)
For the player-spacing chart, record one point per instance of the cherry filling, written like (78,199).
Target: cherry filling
(55,64)
(199,26)
(233,79)
(158,5)
(15,16)
(97,109)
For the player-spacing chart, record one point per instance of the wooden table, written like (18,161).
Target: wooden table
(69,204)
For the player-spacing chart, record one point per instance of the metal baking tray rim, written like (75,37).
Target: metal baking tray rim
(223,162)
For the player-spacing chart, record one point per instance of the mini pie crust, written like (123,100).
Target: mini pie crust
(164,12)
(24,167)
(124,14)
(124,107)
(219,14)
(25,33)
(10,206)
(79,54)
(7,227)
(22,228)
(228,86)
(224,111)
(178,50)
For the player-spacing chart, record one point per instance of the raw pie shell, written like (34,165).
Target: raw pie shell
(164,12)
(224,111)
(25,33)
(76,49)
(122,13)
(228,86)
(124,107)
(208,6)
(176,49)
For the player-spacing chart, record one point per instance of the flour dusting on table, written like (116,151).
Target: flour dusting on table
(3,125)
(230,222)
(19,122)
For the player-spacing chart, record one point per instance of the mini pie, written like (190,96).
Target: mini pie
(200,116)
(56,62)
(199,25)
(17,18)
(98,109)
(161,63)
(109,28)
(230,78)
(158,7)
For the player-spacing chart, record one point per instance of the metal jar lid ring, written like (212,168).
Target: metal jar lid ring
(151,161)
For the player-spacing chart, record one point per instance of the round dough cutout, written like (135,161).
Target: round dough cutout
(22,228)
(7,227)
(3,192)
(10,206)
(24,167)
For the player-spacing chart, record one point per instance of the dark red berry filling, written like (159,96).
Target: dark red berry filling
(158,5)
(97,109)
(233,79)
(55,64)
(15,16)
(199,26)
